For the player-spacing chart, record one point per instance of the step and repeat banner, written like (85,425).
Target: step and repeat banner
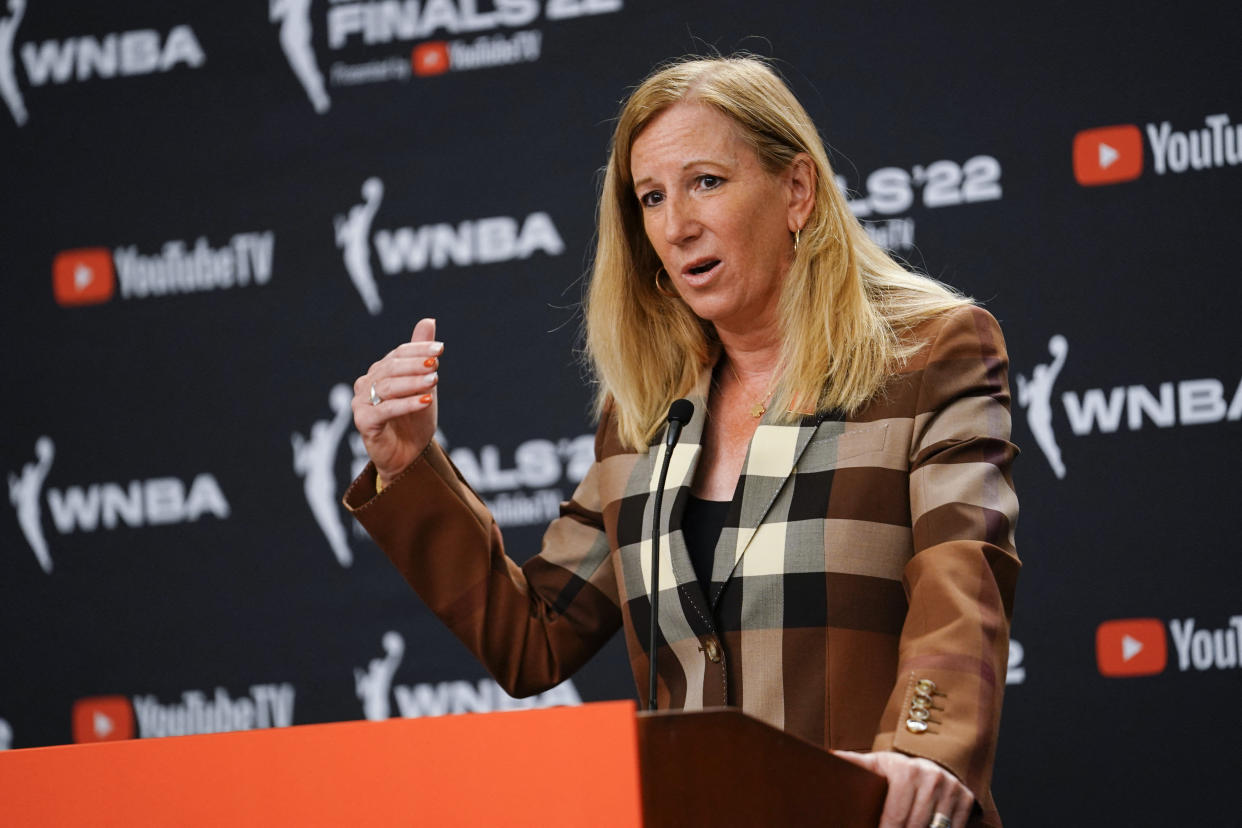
(217,215)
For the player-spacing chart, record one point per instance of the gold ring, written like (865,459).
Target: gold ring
(939,820)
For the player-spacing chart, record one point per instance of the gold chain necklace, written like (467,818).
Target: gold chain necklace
(757,410)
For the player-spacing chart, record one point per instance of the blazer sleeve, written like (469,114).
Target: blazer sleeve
(960,581)
(531,626)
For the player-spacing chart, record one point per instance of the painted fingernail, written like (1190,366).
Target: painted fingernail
(430,362)
(425,399)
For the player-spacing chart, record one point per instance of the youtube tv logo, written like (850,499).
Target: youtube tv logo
(1108,155)
(103,719)
(84,276)
(430,58)
(1131,647)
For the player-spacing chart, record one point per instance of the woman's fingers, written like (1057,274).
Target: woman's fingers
(398,363)
(928,799)
(368,416)
(424,331)
(421,350)
(405,367)
(901,797)
(918,790)
(410,370)
(900,794)
(394,402)
(961,813)
(396,387)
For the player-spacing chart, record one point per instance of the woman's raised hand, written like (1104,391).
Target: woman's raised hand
(395,402)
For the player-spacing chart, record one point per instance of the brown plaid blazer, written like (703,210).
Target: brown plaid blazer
(861,555)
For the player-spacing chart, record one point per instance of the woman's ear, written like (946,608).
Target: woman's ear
(802,182)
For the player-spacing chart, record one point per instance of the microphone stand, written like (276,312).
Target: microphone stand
(679,413)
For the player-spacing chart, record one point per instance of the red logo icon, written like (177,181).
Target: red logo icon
(83,277)
(430,58)
(1108,155)
(1131,647)
(103,719)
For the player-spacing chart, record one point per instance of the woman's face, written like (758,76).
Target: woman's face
(720,223)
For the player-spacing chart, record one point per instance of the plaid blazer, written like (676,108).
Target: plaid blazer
(862,586)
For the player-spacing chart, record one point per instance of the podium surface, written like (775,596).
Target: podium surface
(598,765)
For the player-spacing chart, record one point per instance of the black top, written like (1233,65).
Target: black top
(700,526)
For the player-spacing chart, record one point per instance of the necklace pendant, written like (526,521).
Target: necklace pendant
(758,410)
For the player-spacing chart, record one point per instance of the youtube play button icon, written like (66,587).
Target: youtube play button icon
(1131,647)
(1108,155)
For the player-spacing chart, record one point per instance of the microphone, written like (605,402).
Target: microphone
(679,413)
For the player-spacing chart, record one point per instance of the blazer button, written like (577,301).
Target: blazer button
(925,686)
(915,726)
(713,651)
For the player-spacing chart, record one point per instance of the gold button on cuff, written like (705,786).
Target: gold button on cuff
(921,700)
(713,651)
(926,686)
(920,714)
(915,726)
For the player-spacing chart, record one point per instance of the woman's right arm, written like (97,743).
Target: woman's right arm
(531,626)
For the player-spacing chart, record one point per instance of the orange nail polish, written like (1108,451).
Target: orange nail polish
(425,399)
(430,362)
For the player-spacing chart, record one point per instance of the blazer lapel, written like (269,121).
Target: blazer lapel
(771,460)
(685,462)
(677,620)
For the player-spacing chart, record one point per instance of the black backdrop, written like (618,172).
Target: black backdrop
(176,560)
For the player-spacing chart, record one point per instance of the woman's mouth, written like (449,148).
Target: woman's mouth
(700,271)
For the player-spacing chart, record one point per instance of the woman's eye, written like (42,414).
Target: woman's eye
(651,199)
(710,182)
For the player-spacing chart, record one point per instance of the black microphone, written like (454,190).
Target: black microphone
(679,413)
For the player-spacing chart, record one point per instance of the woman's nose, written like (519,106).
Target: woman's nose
(680,221)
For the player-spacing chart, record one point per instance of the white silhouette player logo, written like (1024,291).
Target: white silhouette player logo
(295,40)
(1035,395)
(374,683)
(8,78)
(24,491)
(314,459)
(353,233)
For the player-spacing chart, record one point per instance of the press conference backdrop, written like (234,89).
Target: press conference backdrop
(217,215)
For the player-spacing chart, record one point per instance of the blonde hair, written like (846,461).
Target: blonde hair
(846,308)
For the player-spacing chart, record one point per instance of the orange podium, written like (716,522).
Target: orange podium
(597,765)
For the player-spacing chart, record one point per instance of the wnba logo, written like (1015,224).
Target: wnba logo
(314,460)
(1106,410)
(122,54)
(295,40)
(433,246)
(137,504)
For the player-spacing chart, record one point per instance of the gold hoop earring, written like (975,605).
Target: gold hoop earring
(660,290)
(797,234)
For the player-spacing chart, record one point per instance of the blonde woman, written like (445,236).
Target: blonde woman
(839,516)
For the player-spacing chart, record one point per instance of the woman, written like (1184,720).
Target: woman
(839,519)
